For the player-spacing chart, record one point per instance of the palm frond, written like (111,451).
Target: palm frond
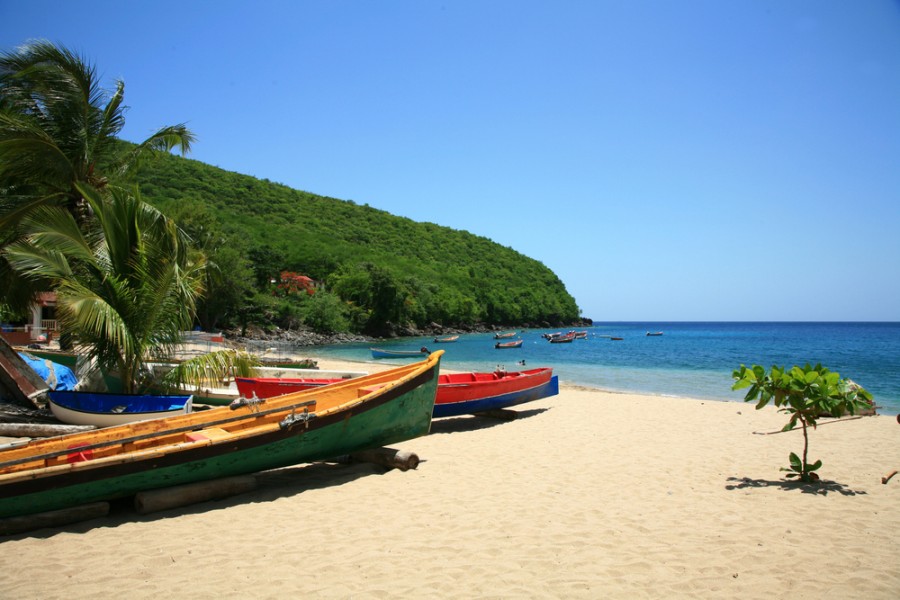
(208,369)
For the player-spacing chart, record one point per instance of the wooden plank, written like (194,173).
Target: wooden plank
(23,384)
(40,429)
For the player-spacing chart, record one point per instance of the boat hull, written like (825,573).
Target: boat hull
(269,387)
(87,408)
(456,397)
(367,412)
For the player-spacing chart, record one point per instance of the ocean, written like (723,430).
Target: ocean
(693,360)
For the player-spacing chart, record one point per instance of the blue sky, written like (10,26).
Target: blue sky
(693,160)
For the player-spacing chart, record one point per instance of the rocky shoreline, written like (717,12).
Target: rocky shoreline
(254,336)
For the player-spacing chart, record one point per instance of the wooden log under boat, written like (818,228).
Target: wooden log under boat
(53,518)
(388,457)
(152,501)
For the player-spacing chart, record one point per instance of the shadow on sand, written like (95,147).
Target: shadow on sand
(477,423)
(820,488)
(271,485)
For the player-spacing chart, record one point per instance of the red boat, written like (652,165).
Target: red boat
(457,393)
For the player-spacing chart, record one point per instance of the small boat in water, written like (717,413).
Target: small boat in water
(562,338)
(654,333)
(251,435)
(503,336)
(379,353)
(445,340)
(106,410)
(504,345)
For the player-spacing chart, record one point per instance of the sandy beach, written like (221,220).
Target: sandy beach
(586,494)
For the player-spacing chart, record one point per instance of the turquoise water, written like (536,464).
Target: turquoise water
(690,359)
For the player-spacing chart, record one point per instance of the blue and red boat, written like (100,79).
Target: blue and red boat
(457,393)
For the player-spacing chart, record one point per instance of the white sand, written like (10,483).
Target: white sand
(586,495)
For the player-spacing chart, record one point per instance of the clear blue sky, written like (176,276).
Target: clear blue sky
(691,160)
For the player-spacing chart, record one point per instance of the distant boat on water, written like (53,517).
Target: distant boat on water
(447,339)
(514,344)
(380,353)
(654,333)
(502,336)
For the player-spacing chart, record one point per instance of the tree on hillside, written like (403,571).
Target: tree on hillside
(124,293)
(58,131)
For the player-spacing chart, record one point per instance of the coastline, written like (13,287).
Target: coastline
(587,494)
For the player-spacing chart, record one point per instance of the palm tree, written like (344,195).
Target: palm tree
(125,291)
(58,131)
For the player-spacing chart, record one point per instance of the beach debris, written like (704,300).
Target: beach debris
(887,477)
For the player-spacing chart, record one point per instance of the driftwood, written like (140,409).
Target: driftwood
(504,414)
(191,493)
(887,477)
(53,518)
(388,457)
(40,429)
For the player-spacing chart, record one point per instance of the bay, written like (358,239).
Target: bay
(693,360)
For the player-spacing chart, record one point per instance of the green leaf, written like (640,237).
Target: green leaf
(796,464)
(815,466)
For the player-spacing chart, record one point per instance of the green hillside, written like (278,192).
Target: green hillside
(377,271)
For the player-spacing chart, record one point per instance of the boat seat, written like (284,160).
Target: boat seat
(365,391)
(210,433)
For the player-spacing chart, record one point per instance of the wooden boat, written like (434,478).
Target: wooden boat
(616,339)
(350,416)
(579,335)
(379,353)
(502,345)
(470,393)
(562,339)
(654,333)
(457,393)
(445,340)
(105,410)
(502,336)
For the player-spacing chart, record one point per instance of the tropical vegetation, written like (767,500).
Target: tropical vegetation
(806,394)
(125,292)
(58,130)
(376,273)
(124,274)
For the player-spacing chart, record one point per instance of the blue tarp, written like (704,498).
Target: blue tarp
(58,377)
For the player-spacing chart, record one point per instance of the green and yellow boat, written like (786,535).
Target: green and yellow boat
(246,437)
